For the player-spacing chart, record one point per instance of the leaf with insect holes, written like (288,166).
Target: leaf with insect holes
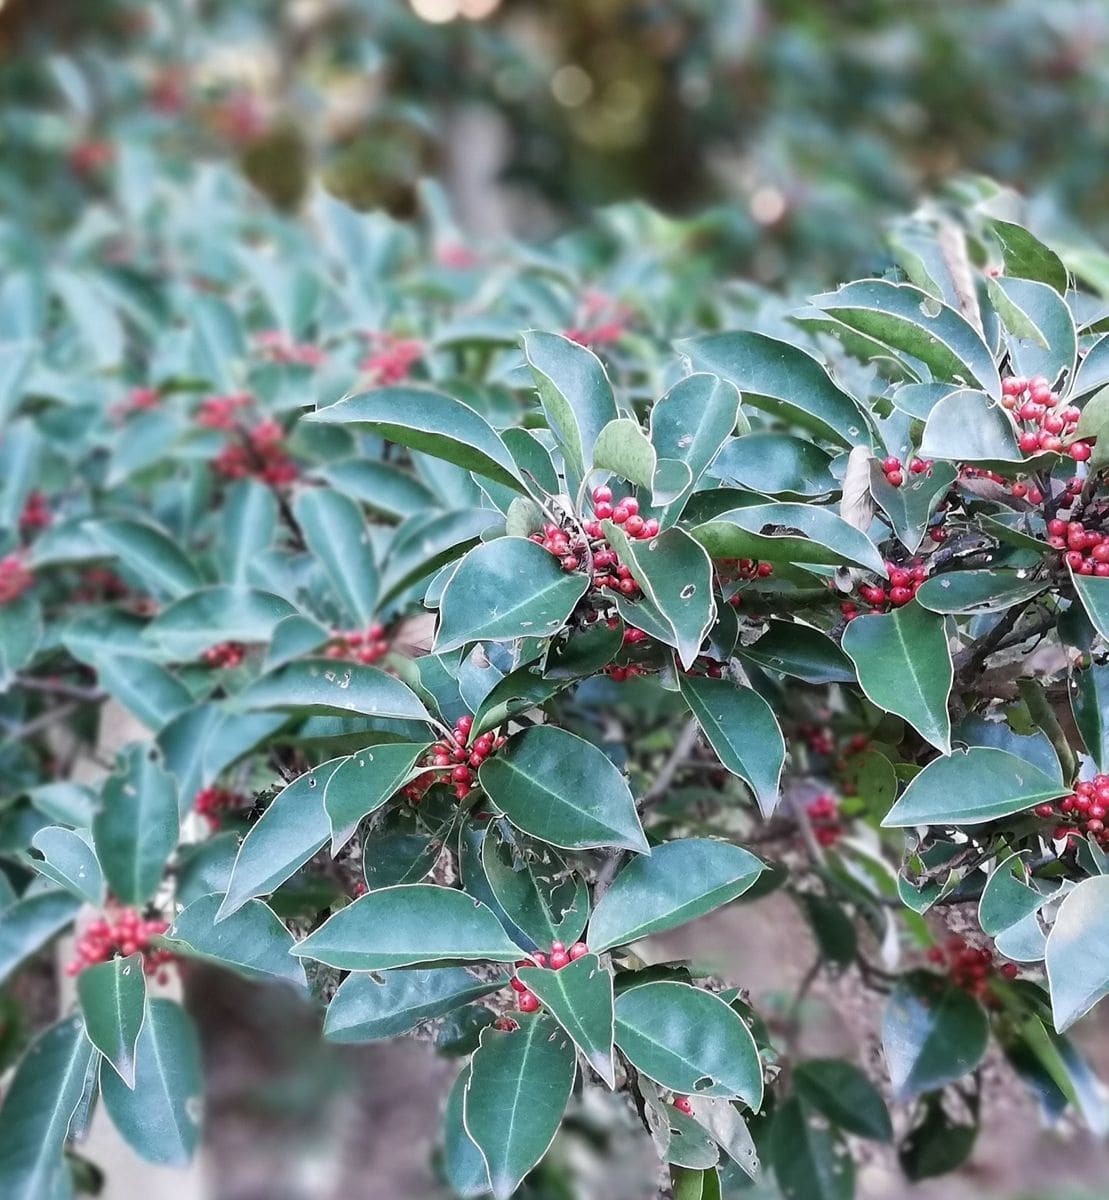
(579,997)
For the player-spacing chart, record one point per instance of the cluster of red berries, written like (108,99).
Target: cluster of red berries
(222,412)
(279,347)
(90,158)
(632,637)
(1084,810)
(455,256)
(603,321)
(391,358)
(969,968)
(224,655)
(364,646)
(1018,488)
(169,90)
(15,578)
(558,958)
(453,761)
(823,811)
(903,584)
(212,802)
(817,738)
(261,455)
(624,513)
(99,584)
(123,932)
(139,399)
(1033,402)
(1086,551)
(36,513)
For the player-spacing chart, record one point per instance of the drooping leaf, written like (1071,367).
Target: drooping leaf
(977,591)
(405,926)
(515,1096)
(562,790)
(845,1096)
(463,1164)
(338,536)
(113,1001)
(250,941)
(680,881)
(800,651)
(811,1159)
(743,730)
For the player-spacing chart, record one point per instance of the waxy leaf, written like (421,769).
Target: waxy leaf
(463,1164)
(845,1096)
(689,1040)
(543,898)
(1093,594)
(932,1033)
(1089,699)
(250,515)
(909,507)
(431,422)
(680,881)
(250,941)
(977,591)
(504,589)
(743,730)
(1007,911)
(151,554)
(1055,350)
(515,1096)
(904,667)
(970,787)
(800,651)
(113,1001)
(1026,257)
(776,464)
(579,997)
(971,427)
(383,488)
(1077,957)
(337,534)
(623,448)
(811,1159)
(216,614)
(362,783)
(159,1118)
(328,685)
(431,541)
(406,925)
(369,1009)
(28,924)
(70,861)
(562,790)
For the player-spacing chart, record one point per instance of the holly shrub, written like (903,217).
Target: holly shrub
(478,612)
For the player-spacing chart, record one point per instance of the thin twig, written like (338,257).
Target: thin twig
(682,749)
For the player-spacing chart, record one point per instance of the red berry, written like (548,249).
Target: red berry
(577,950)
(602,495)
(635,525)
(620,513)
(891,464)
(529,1002)
(682,1104)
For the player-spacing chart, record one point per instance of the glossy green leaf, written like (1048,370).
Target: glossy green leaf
(1056,349)
(904,666)
(135,830)
(1077,956)
(292,829)
(504,589)
(251,941)
(205,740)
(1091,376)
(1027,257)
(908,508)
(367,1008)
(680,881)
(405,926)
(743,730)
(977,591)
(430,422)
(337,534)
(383,488)
(518,692)
(579,997)
(1007,911)
(21,631)
(845,1096)
(113,1001)
(792,533)
(811,1158)
(463,1165)
(362,783)
(151,554)
(515,1096)
(688,1040)
(328,685)
(216,614)
(970,427)
(1089,699)
(70,861)
(776,464)
(913,323)
(148,691)
(800,651)
(970,787)
(30,923)
(562,790)
(721,1120)
(160,1117)
(933,1033)
(544,899)
(782,379)
(1093,594)
(250,516)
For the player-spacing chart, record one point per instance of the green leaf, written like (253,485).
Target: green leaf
(543,898)
(781,379)
(135,830)
(912,323)
(1077,956)
(249,518)
(405,926)
(743,730)
(327,685)
(574,392)
(504,589)
(292,829)
(362,783)
(205,740)
(681,880)
(776,464)
(676,577)
(251,941)
(969,426)
(515,1096)
(1055,351)
(933,1033)
(425,544)
(1093,594)
(113,1001)
(688,1040)
(148,691)
(46,1092)
(579,997)
(845,1096)
(21,632)
(338,536)
(689,425)
(811,1160)
(937,1143)
(977,591)
(909,507)
(800,651)
(790,533)
(160,1117)
(1007,911)
(624,449)
(383,488)
(832,928)
(70,861)
(30,923)
(1027,257)
(370,1009)
(1089,699)
(722,1122)
(152,555)
(904,667)
(1092,375)
(224,613)
(463,1164)
(970,787)
(562,790)
(429,422)
(523,689)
